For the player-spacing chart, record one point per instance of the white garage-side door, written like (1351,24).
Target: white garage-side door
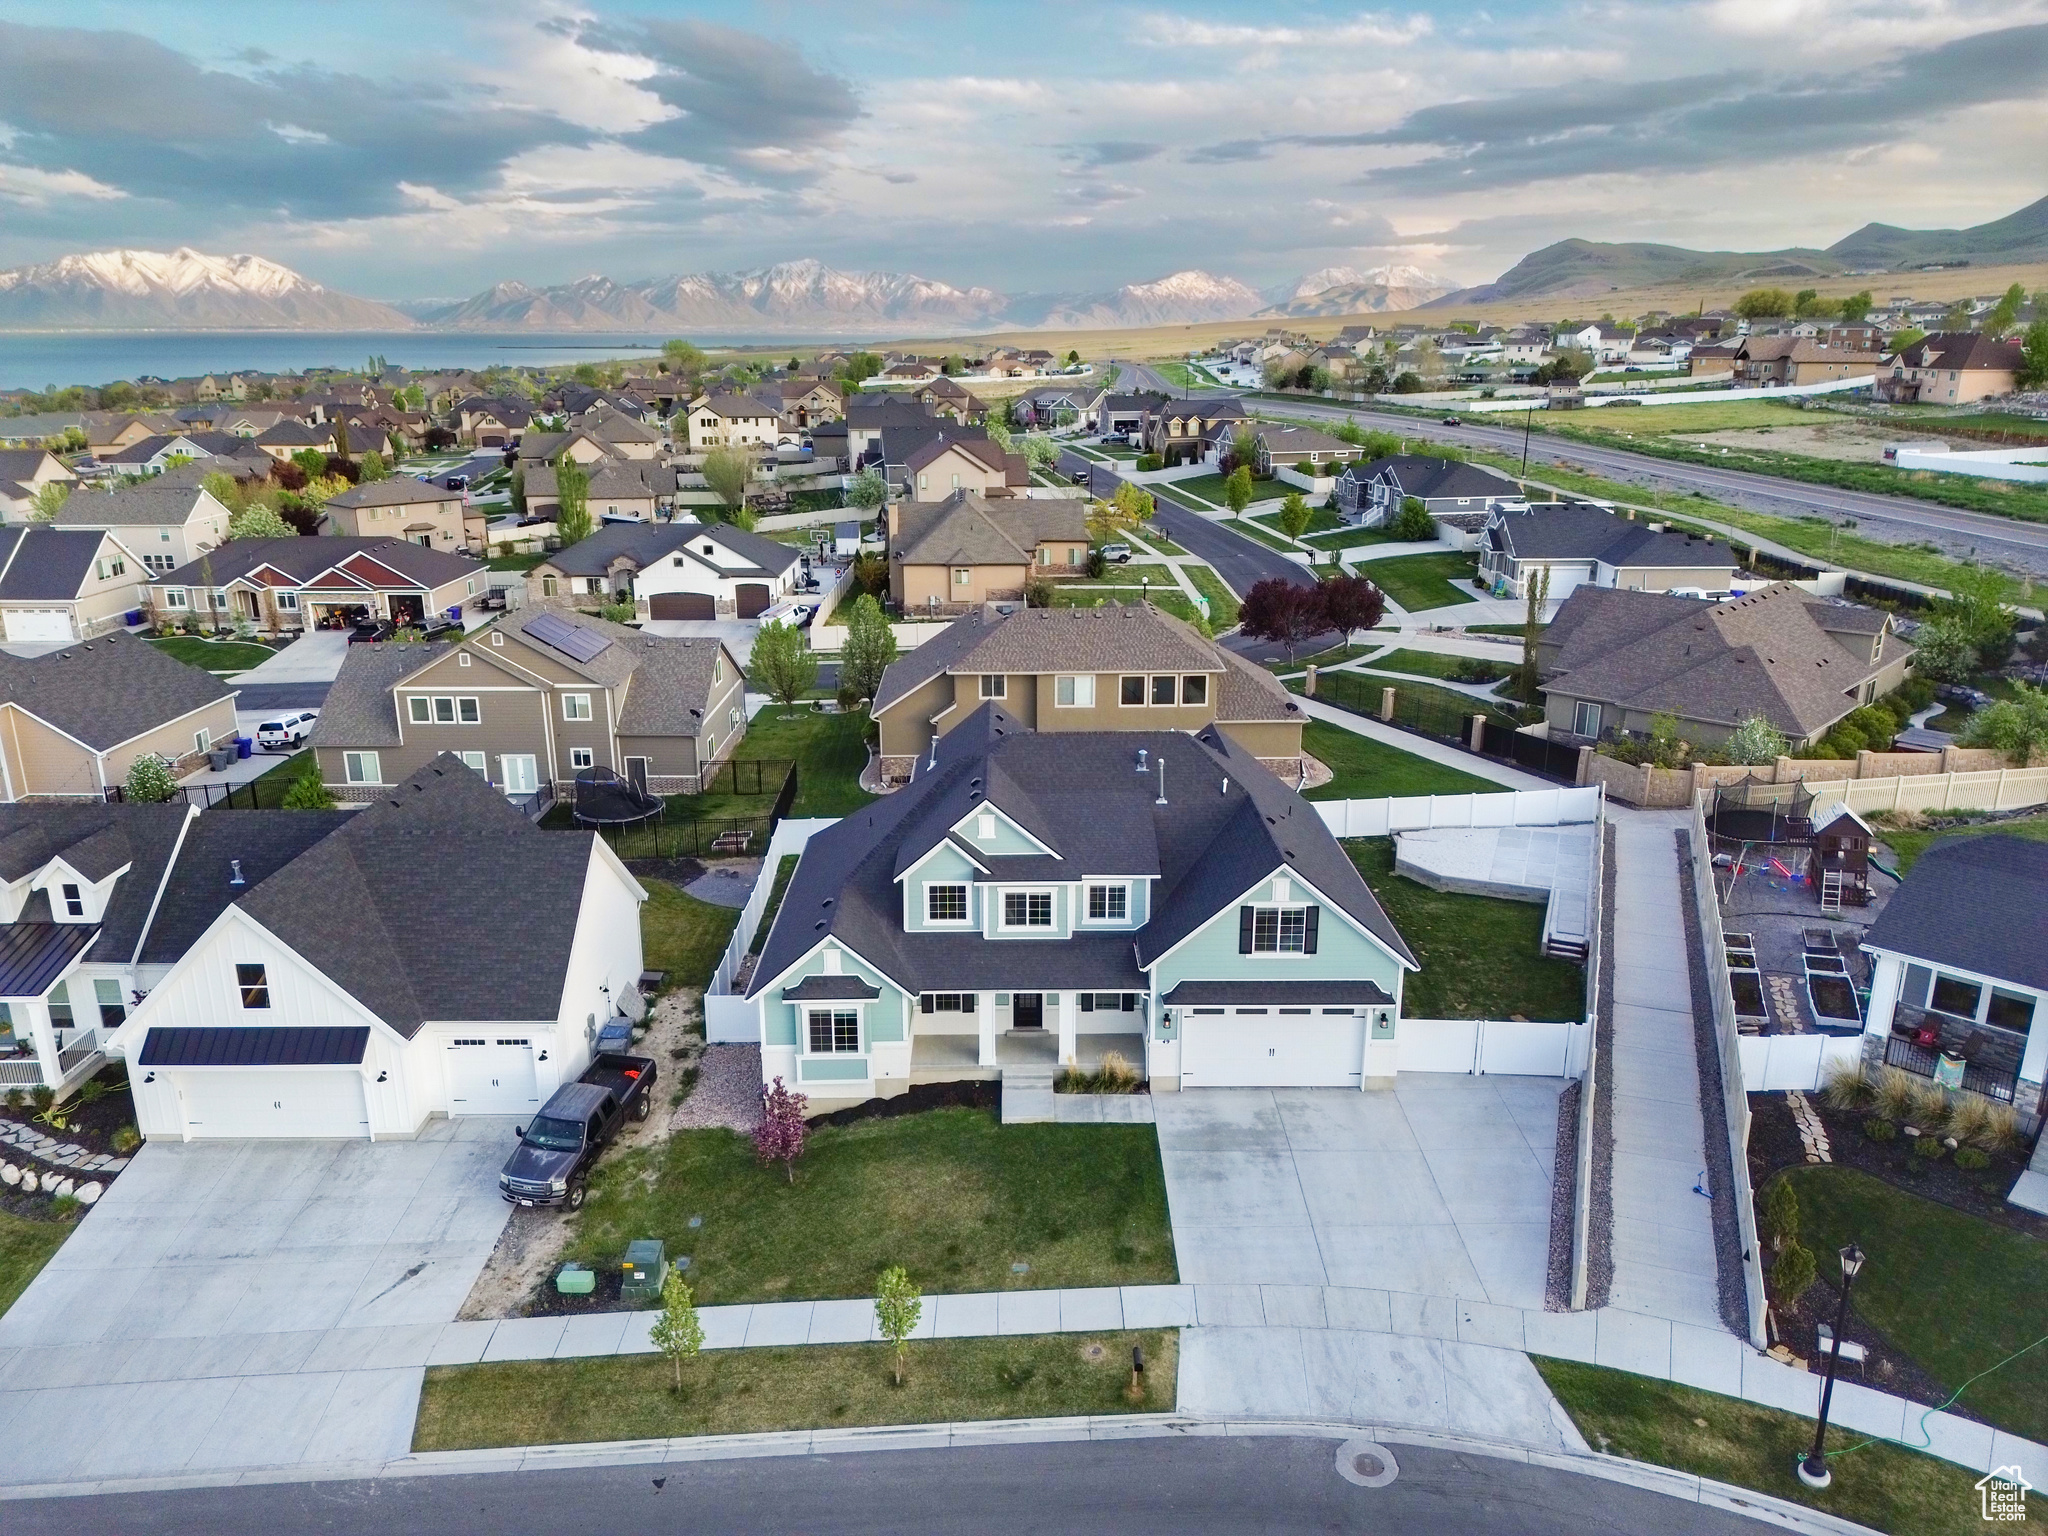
(39,624)
(1272,1050)
(491,1075)
(297,1104)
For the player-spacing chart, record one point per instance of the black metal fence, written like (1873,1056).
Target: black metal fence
(261,794)
(1443,717)
(680,832)
(1552,759)
(1990,1081)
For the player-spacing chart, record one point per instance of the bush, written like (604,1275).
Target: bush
(149,781)
(1115,1075)
(1037,593)
(1147,462)
(1880,1130)
(1096,564)
(1413,522)
(1781,1213)
(1848,1086)
(1792,1273)
(126,1140)
(1972,1159)
(618,613)
(1928,1147)
(42,1096)
(1894,1094)
(16,1098)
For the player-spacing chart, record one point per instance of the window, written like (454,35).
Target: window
(2010,1010)
(833,1031)
(468,711)
(444,711)
(1131,690)
(1074,692)
(1194,690)
(254,985)
(288,602)
(59,999)
(580,757)
(994,687)
(1108,903)
(420,710)
(462,659)
(174,597)
(361,768)
(112,1008)
(1955,996)
(1279,931)
(945,903)
(1044,555)
(547,586)
(1162,690)
(473,760)
(1027,909)
(202,740)
(1585,719)
(74,900)
(497,639)
(575,706)
(962,576)
(949,1002)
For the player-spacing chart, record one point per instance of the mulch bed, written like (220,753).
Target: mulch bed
(91,1126)
(549,1302)
(678,872)
(970,1094)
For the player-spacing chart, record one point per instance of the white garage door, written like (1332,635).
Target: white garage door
(38,624)
(309,1103)
(489,1075)
(1270,1049)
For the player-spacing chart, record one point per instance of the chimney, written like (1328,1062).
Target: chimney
(235,877)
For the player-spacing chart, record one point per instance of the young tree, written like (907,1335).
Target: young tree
(1856,306)
(341,437)
(1130,506)
(1792,1272)
(572,493)
(1943,651)
(1351,603)
(1294,515)
(682,358)
(518,493)
(1237,490)
(311,460)
(1039,451)
(782,663)
(149,781)
(998,428)
(2002,314)
(1243,451)
(870,647)
(2017,726)
(727,470)
(1277,609)
(1755,741)
(307,792)
(1532,628)
(257,521)
(373,467)
(677,1332)
(48,501)
(2032,372)
(868,491)
(1781,1214)
(1413,522)
(898,1305)
(779,1138)
(1976,604)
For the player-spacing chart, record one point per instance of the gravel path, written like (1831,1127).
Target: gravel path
(728,1091)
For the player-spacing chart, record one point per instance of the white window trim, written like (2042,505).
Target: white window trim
(1000,688)
(1259,907)
(589,756)
(481,765)
(569,701)
(860,1014)
(966,920)
(174,597)
(1003,925)
(352,762)
(1081,917)
(1076,679)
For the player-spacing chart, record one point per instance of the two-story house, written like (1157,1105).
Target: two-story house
(947,463)
(1035,899)
(1120,667)
(1950,368)
(59,584)
(530,702)
(1188,431)
(966,550)
(165,524)
(23,474)
(746,421)
(400,507)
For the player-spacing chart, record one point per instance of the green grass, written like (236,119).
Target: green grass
(1431,664)
(1481,956)
(1329,658)
(1500,629)
(829,751)
(1131,575)
(1910,845)
(1365,769)
(1351,538)
(214,655)
(753,1391)
(1210,489)
(783,870)
(25,1247)
(682,935)
(1955,1293)
(1690,420)
(1160,542)
(1259,533)
(1222,601)
(951,1194)
(1724,1438)
(514,562)
(1320,520)
(1418,582)
(1164,595)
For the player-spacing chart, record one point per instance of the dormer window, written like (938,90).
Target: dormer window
(74,900)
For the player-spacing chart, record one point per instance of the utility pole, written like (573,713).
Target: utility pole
(1528,423)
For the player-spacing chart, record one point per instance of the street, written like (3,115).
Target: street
(1188,1486)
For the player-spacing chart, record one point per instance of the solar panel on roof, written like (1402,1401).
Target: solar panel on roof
(569,639)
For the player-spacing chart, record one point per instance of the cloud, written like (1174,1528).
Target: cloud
(1188,32)
(1099,194)
(1104,152)
(1230,152)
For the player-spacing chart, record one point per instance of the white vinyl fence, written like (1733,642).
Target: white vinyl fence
(731,1020)
(1479,1046)
(1777,1063)
(1420,813)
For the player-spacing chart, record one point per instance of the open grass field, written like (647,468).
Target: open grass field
(752,1391)
(950,1194)
(1880,1486)
(1365,769)
(1419,582)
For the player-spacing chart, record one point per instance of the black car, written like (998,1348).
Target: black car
(1452,421)
(371,630)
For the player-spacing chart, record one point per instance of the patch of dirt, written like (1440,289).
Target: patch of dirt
(678,872)
(968,1094)
(1846,441)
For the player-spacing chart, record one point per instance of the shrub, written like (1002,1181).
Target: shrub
(1972,1159)
(1930,1106)
(1928,1147)
(126,1140)
(1413,522)
(1879,1130)
(149,781)
(64,1207)
(307,791)
(1781,1213)
(1848,1086)
(1894,1094)
(1792,1273)
(16,1098)
(1096,564)
(1147,462)
(1037,593)
(2001,1128)
(1115,1075)
(618,613)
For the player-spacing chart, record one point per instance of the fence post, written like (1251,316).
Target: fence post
(1386,705)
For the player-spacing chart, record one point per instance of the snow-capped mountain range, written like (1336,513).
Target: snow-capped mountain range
(190,290)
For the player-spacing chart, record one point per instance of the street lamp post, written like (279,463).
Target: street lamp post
(1813,1467)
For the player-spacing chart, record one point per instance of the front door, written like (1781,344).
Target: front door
(1027,1010)
(636,773)
(519,773)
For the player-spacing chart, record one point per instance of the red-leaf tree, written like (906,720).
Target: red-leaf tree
(1352,603)
(1282,611)
(779,1138)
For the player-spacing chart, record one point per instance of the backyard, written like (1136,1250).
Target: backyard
(1365,769)
(1880,1486)
(1418,582)
(1910,843)
(754,1391)
(1434,664)
(684,936)
(829,750)
(956,1198)
(1481,956)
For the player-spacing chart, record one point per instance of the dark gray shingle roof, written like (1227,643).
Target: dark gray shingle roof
(107,691)
(1977,903)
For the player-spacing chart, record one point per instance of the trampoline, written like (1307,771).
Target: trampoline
(1754,811)
(603,799)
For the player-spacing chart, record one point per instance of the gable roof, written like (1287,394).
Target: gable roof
(96,838)
(1961,350)
(1580,530)
(643,544)
(151,503)
(1975,903)
(301,560)
(357,711)
(1417,474)
(39,563)
(392,491)
(965,529)
(109,690)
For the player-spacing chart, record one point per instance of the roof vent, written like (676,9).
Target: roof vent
(1141,760)
(235,872)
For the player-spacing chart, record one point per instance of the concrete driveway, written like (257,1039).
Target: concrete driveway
(1439,1188)
(245,1305)
(315,657)
(738,634)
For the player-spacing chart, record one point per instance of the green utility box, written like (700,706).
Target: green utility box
(645,1268)
(575,1280)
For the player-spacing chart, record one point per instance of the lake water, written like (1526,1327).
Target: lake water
(35,360)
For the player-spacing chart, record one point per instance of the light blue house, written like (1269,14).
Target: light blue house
(1038,899)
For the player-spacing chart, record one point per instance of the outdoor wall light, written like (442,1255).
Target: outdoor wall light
(150,1079)
(383,1077)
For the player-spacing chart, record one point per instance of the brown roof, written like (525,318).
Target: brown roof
(1962,349)
(965,529)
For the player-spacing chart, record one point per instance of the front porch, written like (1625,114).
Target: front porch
(1989,1057)
(52,1019)
(956,1058)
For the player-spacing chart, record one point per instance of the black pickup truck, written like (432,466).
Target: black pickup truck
(552,1162)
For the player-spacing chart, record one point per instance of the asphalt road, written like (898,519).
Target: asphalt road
(1189,1487)
(262,696)
(1240,561)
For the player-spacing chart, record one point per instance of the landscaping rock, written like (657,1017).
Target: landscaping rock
(89,1194)
(28,1182)
(728,1091)
(60,1187)
(9,1174)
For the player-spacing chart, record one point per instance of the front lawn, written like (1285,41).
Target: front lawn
(25,1247)
(829,751)
(214,655)
(754,1391)
(950,1194)
(682,935)
(514,562)
(1222,601)
(1320,520)
(1481,956)
(1436,664)
(1351,538)
(1419,582)
(1910,845)
(1366,769)
(1731,1441)
(1955,1293)
(1210,489)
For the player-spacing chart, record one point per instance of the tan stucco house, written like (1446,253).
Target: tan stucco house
(166,525)
(401,507)
(967,550)
(60,584)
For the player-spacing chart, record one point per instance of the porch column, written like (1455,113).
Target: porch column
(1884,995)
(1070,1017)
(35,1013)
(985,1019)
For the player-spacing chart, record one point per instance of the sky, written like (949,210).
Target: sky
(416,150)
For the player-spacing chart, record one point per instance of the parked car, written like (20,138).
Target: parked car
(436,629)
(456,483)
(285,733)
(370,630)
(1119,553)
(552,1163)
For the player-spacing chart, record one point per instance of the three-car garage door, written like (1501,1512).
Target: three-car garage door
(303,1103)
(1271,1048)
(681,605)
(491,1075)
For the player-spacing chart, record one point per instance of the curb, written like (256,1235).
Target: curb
(1683,1486)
